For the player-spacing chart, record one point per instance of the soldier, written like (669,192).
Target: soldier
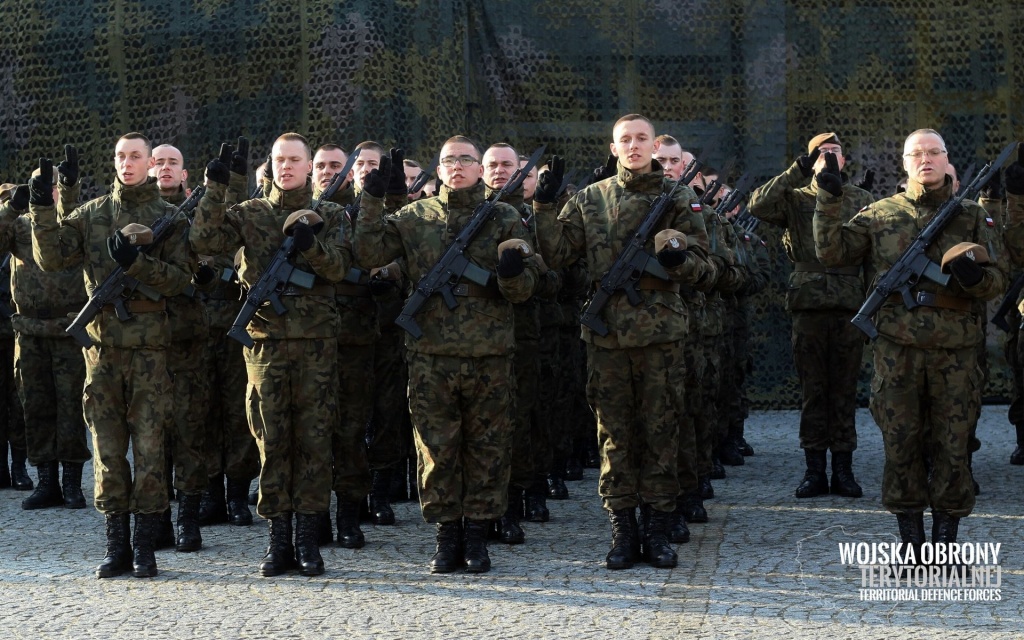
(460,372)
(926,392)
(1014,221)
(636,372)
(12,422)
(128,388)
(293,364)
(48,369)
(827,349)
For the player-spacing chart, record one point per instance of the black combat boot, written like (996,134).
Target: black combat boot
(324,529)
(707,490)
(307,551)
(380,498)
(678,532)
(165,538)
(119,549)
(238,503)
(815,482)
(843,482)
(692,507)
(944,527)
(71,483)
(556,480)
(911,527)
(212,507)
(573,466)
(1017,457)
(509,530)
(625,539)
(736,435)
(656,548)
(280,553)
(254,495)
(189,537)
(143,545)
(537,502)
(729,452)
(47,493)
(475,555)
(5,471)
(717,470)
(350,536)
(448,556)
(20,479)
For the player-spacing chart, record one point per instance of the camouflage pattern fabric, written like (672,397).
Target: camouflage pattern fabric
(356,390)
(230,445)
(187,363)
(390,428)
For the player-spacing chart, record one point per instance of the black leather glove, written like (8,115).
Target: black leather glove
(806,163)
(240,157)
(510,263)
(218,170)
(380,286)
(869,180)
(396,174)
(966,271)
(41,186)
(376,182)
(20,197)
(121,250)
(669,258)
(550,181)
(1015,174)
(609,170)
(829,177)
(67,171)
(204,275)
(304,236)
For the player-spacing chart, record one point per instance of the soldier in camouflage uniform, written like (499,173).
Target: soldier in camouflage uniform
(639,366)
(48,365)
(461,383)
(292,367)
(926,392)
(1012,218)
(827,349)
(12,423)
(127,387)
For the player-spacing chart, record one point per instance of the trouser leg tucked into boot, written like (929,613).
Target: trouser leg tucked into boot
(238,503)
(380,498)
(657,550)
(693,507)
(350,536)
(71,484)
(556,480)
(47,493)
(509,529)
(144,545)
(189,537)
(537,502)
(212,508)
(843,482)
(625,541)
(448,556)
(307,551)
(280,552)
(20,479)
(678,532)
(475,555)
(911,527)
(119,549)
(815,482)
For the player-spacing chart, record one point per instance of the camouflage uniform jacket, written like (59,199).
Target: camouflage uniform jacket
(752,254)
(256,226)
(882,231)
(421,232)
(186,312)
(597,223)
(80,238)
(788,201)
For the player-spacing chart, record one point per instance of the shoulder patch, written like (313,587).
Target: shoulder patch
(764,244)
(695,206)
(990,222)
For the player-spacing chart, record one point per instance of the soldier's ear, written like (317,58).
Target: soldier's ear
(611,145)
(184,176)
(151,162)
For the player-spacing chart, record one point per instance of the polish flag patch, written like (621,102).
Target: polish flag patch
(990,222)
(695,206)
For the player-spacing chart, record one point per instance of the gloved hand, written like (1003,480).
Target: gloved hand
(240,157)
(41,186)
(204,275)
(67,171)
(669,258)
(121,250)
(304,236)
(806,163)
(829,177)
(869,180)
(396,175)
(20,197)
(609,170)
(550,181)
(966,271)
(1015,173)
(218,169)
(380,286)
(376,182)
(510,263)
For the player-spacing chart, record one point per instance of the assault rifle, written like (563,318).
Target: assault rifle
(281,272)
(118,287)
(424,176)
(634,259)
(913,264)
(1009,301)
(454,264)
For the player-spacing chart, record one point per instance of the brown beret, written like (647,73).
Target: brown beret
(305,216)
(524,248)
(669,239)
(137,234)
(973,251)
(821,139)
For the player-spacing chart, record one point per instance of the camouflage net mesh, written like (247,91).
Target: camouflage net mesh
(746,80)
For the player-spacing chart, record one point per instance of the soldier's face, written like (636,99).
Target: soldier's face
(168,168)
(925,159)
(367,161)
(459,176)
(326,165)
(411,173)
(291,164)
(633,144)
(499,165)
(829,147)
(670,157)
(131,161)
(530,181)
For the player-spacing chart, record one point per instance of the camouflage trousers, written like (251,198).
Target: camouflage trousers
(128,399)
(553,385)
(706,421)
(12,420)
(732,406)
(637,395)
(691,456)
(230,447)
(526,365)
(925,402)
(827,352)
(50,375)
(462,417)
(186,435)
(390,428)
(356,391)
(291,405)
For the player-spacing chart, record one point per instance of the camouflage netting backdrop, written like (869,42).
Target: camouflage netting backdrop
(749,81)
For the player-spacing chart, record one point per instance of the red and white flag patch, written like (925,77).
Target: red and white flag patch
(695,206)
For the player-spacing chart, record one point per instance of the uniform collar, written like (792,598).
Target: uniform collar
(136,194)
(293,200)
(515,198)
(462,198)
(650,181)
(916,192)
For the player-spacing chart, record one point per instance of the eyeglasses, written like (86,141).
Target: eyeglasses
(931,153)
(465,161)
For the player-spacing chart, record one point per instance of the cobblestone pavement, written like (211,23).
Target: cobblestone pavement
(766,565)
